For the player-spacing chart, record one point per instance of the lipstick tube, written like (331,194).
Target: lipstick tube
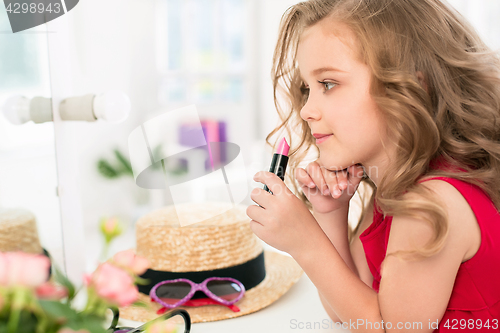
(279,162)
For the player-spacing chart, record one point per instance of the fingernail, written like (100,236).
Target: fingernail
(337,193)
(326,192)
(311,185)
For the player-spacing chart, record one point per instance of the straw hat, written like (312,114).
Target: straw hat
(221,242)
(18,232)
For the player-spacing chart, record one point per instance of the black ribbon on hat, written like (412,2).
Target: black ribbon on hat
(250,274)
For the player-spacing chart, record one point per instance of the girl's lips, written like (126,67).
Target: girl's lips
(323,138)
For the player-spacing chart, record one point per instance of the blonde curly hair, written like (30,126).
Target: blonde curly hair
(454,116)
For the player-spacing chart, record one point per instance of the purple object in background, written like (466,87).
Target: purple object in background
(209,163)
(223,138)
(189,135)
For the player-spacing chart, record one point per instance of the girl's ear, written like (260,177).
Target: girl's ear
(421,79)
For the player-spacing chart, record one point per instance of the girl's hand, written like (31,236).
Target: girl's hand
(282,220)
(329,190)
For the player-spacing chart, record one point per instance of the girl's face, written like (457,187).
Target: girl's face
(339,103)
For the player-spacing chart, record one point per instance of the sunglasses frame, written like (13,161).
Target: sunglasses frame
(197,287)
(116,315)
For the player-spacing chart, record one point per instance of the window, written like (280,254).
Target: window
(202,51)
(24,69)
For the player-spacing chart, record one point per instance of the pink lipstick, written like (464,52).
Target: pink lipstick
(279,162)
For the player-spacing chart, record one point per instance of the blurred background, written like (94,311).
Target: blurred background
(163,54)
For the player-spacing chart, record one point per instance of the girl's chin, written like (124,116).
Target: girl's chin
(337,164)
(336,167)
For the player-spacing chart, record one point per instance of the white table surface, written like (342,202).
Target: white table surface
(299,310)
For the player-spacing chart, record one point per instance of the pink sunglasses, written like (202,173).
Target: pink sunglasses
(174,293)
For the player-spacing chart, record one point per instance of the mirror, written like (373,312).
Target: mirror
(164,55)
(29,206)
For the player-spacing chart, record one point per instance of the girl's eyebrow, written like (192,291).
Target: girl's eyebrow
(324,69)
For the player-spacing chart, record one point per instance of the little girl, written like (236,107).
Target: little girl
(403,97)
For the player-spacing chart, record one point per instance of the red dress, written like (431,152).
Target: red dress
(474,304)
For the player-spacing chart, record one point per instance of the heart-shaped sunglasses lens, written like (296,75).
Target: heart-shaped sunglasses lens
(224,289)
(172,293)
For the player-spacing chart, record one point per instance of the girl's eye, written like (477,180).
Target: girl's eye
(328,85)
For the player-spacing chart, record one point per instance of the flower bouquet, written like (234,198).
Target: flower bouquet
(30,302)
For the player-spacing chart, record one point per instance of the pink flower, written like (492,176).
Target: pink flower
(51,291)
(3,269)
(110,228)
(110,225)
(87,279)
(114,285)
(18,268)
(129,260)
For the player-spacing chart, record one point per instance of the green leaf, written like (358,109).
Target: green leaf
(106,169)
(91,323)
(141,281)
(141,304)
(125,163)
(58,311)
(27,323)
(156,152)
(65,282)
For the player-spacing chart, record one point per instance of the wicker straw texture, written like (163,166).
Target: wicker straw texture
(221,241)
(18,232)
(218,242)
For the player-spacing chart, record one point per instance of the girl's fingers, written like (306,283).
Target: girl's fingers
(331,181)
(342,176)
(347,179)
(256,213)
(306,182)
(303,178)
(260,197)
(316,173)
(272,181)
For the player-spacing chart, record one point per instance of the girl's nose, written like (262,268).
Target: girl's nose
(310,112)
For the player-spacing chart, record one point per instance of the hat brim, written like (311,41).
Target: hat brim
(281,273)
